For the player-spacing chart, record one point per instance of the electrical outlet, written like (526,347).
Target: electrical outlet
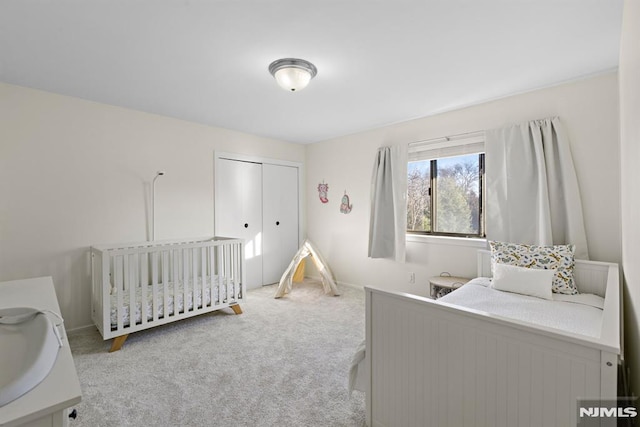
(412,277)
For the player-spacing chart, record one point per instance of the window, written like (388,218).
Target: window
(445,194)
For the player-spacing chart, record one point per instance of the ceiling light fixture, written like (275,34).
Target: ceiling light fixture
(293,74)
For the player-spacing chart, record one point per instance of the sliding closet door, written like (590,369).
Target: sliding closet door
(280,219)
(238,211)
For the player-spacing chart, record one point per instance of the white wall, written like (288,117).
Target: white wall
(589,110)
(630,177)
(75,173)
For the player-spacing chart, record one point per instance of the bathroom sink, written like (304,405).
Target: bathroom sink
(29,344)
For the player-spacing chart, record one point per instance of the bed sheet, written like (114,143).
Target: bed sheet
(579,314)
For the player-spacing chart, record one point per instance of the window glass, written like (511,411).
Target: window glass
(418,196)
(445,196)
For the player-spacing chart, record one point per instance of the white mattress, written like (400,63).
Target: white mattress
(219,296)
(579,314)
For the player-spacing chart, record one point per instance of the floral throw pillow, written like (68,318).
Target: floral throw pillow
(556,257)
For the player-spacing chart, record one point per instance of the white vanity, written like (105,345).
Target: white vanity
(48,403)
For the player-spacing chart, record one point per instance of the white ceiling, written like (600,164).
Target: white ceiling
(379,61)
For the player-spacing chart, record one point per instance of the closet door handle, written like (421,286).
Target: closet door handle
(246,225)
(277,222)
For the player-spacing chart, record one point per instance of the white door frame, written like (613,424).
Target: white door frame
(217,155)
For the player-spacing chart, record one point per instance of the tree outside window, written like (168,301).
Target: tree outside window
(445,195)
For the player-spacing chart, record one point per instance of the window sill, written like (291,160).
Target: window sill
(448,240)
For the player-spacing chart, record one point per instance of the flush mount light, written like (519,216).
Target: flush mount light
(293,74)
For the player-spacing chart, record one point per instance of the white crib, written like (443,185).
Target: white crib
(137,286)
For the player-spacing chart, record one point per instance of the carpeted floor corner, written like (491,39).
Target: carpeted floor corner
(282,362)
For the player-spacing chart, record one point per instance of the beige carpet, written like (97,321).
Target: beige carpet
(283,362)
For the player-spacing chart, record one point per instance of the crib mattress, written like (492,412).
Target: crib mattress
(175,303)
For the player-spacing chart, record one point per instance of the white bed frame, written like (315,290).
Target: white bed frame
(142,267)
(434,364)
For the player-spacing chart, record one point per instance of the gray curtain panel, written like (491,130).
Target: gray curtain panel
(532,189)
(388,224)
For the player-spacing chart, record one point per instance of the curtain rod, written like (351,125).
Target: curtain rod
(449,138)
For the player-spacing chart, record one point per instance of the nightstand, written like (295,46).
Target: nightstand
(443,284)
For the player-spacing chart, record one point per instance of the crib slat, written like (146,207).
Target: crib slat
(185,280)
(165,282)
(198,278)
(220,274)
(119,292)
(154,284)
(243,273)
(125,288)
(213,273)
(223,275)
(232,273)
(203,275)
(227,270)
(209,274)
(142,284)
(194,278)
(240,276)
(231,296)
(236,273)
(230,290)
(176,279)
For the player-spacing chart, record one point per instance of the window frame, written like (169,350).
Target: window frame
(433,171)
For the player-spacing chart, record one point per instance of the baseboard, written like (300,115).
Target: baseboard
(79,329)
(351,285)
(340,283)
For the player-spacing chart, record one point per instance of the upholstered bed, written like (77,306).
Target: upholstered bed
(485,357)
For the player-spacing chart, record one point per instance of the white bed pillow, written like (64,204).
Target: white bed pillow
(522,280)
